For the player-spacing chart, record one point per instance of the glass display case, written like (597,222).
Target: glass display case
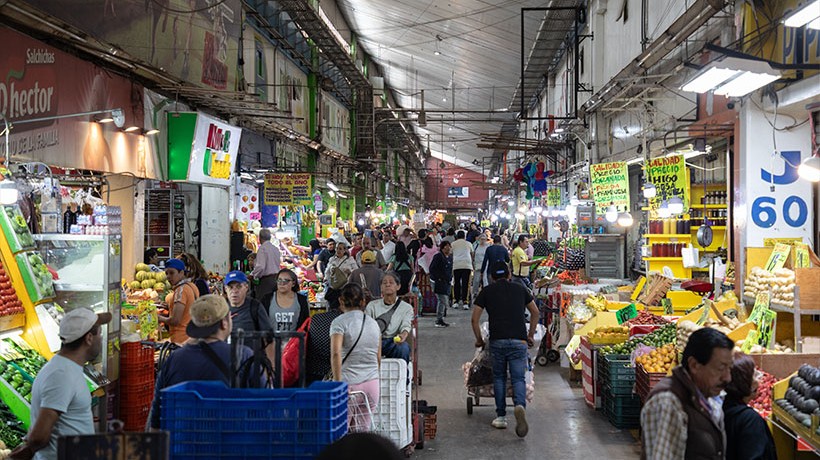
(89,274)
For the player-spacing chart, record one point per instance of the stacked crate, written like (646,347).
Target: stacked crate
(137,379)
(617,380)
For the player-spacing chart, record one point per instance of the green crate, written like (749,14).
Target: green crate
(623,412)
(617,367)
(619,387)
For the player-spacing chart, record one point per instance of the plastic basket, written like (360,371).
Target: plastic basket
(209,420)
(620,387)
(623,412)
(618,367)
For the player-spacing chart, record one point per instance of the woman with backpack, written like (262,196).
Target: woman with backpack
(339,268)
(402,263)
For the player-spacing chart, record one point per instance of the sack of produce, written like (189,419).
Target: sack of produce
(481,369)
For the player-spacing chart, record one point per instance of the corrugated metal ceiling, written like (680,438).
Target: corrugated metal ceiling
(478,66)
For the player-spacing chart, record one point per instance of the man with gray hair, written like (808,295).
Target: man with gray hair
(268,261)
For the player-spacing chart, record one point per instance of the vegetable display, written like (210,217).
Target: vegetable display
(802,398)
(657,338)
(37,276)
(780,283)
(14,377)
(763,401)
(11,430)
(9,302)
(644,317)
(16,228)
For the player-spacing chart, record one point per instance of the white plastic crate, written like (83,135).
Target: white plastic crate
(393,418)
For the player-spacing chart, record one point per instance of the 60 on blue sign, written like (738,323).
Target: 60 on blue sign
(764,212)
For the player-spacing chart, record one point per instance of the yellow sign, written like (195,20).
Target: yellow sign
(762,302)
(288,189)
(610,185)
(801,256)
(554,197)
(670,178)
(771,242)
(780,254)
(749,342)
(148,320)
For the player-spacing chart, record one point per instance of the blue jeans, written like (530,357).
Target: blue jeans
(441,308)
(391,349)
(510,353)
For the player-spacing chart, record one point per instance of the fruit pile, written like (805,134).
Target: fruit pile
(11,430)
(644,317)
(802,398)
(658,338)
(763,401)
(312,288)
(16,379)
(144,278)
(661,359)
(596,302)
(780,282)
(42,275)
(9,302)
(612,334)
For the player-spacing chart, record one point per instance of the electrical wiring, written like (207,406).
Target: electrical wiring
(197,10)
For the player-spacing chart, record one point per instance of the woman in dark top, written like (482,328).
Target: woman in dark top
(317,351)
(197,272)
(402,263)
(747,435)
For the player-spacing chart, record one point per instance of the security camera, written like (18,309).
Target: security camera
(730,105)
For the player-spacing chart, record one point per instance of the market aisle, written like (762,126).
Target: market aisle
(561,425)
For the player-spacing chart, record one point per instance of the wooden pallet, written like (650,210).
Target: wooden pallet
(655,290)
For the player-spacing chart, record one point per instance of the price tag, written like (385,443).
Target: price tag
(625,314)
(667,306)
(147,319)
(765,328)
(780,254)
(801,256)
(749,342)
(762,302)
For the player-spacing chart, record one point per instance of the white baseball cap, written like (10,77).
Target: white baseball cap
(78,322)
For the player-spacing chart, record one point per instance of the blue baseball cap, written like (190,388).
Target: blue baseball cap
(175,264)
(235,276)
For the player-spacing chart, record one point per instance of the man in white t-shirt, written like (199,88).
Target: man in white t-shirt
(388,246)
(60,399)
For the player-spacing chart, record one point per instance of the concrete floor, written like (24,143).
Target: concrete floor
(562,426)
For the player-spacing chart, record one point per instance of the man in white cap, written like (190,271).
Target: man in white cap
(207,356)
(60,400)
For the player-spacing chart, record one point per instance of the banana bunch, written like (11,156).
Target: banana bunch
(596,302)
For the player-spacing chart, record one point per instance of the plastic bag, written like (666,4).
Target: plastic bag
(691,257)
(481,369)
(640,350)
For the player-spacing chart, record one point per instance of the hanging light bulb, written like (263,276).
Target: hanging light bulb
(494,218)
(537,209)
(625,219)
(809,169)
(611,214)
(663,211)
(649,190)
(545,212)
(675,205)
(8,192)
(522,209)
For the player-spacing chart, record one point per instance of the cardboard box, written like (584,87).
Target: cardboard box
(782,365)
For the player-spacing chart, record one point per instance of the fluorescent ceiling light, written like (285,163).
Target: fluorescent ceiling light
(814,24)
(131,129)
(805,15)
(709,79)
(151,132)
(634,161)
(745,84)
(332,186)
(559,130)
(733,77)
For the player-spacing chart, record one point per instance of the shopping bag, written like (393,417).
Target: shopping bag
(425,260)
(718,269)
(690,256)
(481,369)
(290,358)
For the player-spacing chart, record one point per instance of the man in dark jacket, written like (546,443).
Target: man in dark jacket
(495,253)
(247,313)
(680,420)
(441,273)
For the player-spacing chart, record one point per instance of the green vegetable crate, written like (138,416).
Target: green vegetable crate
(16,229)
(623,412)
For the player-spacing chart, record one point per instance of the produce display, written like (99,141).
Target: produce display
(11,431)
(609,334)
(36,275)
(17,379)
(55,311)
(802,399)
(570,256)
(763,401)
(312,288)
(9,302)
(16,229)
(780,283)
(147,285)
(596,302)
(658,338)
(661,359)
(644,317)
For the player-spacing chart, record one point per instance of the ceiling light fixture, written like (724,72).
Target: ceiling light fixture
(611,214)
(732,77)
(663,211)
(8,192)
(105,120)
(809,15)
(152,132)
(649,190)
(675,205)
(131,129)
(332,186)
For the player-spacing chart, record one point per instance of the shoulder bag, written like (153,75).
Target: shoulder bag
(329,375)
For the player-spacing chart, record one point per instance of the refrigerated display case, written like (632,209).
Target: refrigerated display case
(89,274)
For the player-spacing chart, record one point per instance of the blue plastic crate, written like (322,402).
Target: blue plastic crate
(208,420)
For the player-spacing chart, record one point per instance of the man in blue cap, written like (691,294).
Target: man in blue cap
(506,303)
(247,313)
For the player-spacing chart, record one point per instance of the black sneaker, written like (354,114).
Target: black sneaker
(441,324)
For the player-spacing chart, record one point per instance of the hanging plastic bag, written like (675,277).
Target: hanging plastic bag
(691,257)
